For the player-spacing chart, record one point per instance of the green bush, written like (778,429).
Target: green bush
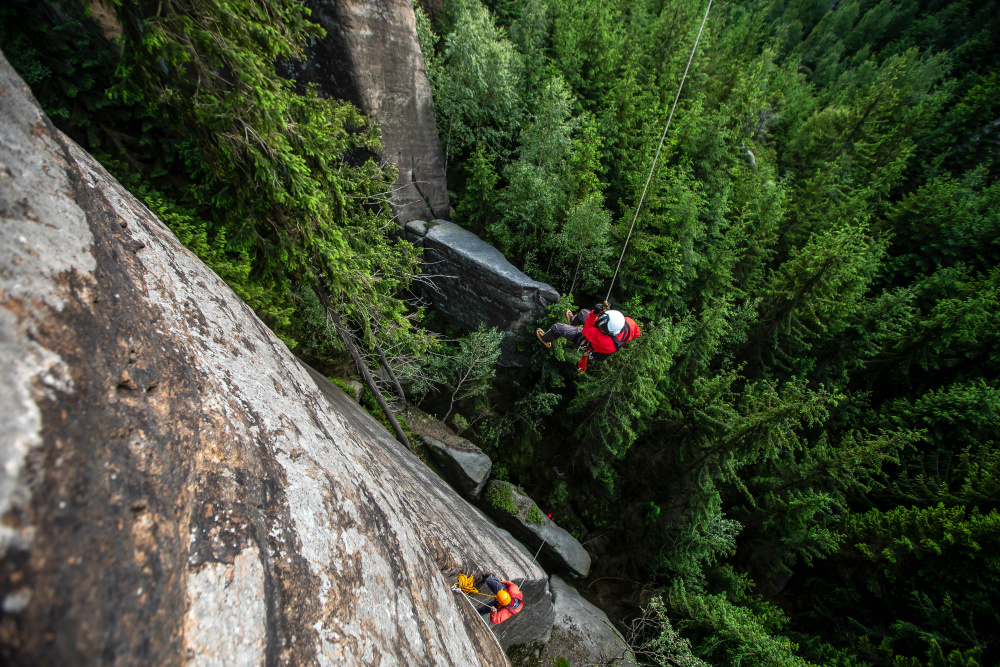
(501,497)
(535,515)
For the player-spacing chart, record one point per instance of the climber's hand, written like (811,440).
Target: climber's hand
(601,307)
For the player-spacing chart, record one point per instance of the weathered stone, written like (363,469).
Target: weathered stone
(534,622)
(175,487)
(358,390)
(474,283)
(582,633)
(370,57)
(464,464)
(561,551)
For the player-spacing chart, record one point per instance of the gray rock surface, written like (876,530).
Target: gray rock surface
(582,633)
(561,551)
(358,390)
(464,464)
(474,282)
(534,622)
(175,487)
(370,57)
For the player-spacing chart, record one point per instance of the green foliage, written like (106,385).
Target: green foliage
(535,515)
(501,497)
(811,410)
(262,181)
(725,633)
(656,642)
(476,92)
(467,369)
(815,271)
(914,553)
(346,388)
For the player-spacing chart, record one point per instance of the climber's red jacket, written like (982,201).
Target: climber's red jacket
(601,344)
(503,613)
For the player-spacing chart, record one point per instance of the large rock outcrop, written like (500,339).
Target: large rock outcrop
(463,464)
(532,623)
(582,633)
(556,548)
(474,283)
(174,486)
(371,57)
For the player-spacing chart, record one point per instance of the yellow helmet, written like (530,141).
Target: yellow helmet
(503,597)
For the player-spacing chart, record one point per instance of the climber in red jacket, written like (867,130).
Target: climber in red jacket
(599,332)
(510,600)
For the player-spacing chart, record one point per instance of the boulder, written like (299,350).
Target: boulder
(463,464)
(370,57)
(175,487)
(357,390)
(472,282)
(582,633)
(533,622)
(560,551)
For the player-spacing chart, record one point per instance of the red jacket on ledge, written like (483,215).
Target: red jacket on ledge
(503,613)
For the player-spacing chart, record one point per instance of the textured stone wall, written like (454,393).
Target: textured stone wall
(174,486)
(474,283)
(371,57)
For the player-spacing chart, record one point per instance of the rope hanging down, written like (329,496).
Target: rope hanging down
(658,149)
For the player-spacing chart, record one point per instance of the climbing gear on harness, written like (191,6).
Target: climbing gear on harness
(582,364)
(658,149)
(503,597)
(540,333)
(611,322)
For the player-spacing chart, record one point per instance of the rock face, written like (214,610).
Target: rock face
(582,633)
(534,622)
(475,282)
(371,57)
(561,551)
(463,463)
(175,487)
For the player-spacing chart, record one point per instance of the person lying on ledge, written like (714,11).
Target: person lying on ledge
(510,600)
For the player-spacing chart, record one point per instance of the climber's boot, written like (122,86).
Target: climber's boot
(540,333)
(569,317)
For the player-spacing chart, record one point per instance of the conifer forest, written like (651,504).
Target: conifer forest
(798,462)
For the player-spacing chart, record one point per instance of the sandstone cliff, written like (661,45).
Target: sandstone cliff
(370,56)
(175,487)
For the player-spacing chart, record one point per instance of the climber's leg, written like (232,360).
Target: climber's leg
(580,317)
(560,330)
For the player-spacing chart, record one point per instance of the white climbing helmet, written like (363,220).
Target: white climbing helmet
(611,322)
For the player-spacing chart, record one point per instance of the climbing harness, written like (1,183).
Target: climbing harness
(588,352)
(657,156)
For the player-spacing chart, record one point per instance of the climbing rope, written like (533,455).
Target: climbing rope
(533,560)
(465,584)
(658,149)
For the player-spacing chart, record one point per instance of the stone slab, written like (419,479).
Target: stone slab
(560,551)
(464,464)
(582,633)
(473,283)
